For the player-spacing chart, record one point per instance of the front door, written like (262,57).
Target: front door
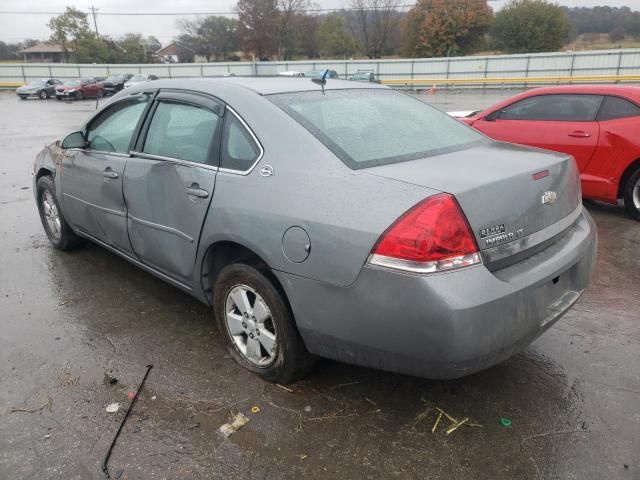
(558,122)
(92,177)
(169,181)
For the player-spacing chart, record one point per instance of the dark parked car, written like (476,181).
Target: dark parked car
(80,88)
(364,76)
(347,220)
(41,88)
(115,83)
(319,73)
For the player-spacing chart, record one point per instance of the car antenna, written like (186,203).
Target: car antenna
(321,81)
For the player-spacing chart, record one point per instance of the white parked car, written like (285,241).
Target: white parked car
(140,78)
(291,73)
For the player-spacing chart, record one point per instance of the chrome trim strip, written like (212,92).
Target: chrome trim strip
(505,250)
(177,161)
(97,207)
(136,262)
(163,228)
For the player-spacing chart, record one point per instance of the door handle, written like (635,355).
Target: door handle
(580,134)
(195,191)
(108,173)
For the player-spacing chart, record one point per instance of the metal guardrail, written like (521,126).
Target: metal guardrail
(491,70)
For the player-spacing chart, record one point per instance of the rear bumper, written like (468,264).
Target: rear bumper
(444,325)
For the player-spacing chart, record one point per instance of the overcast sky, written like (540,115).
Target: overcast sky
(18,27)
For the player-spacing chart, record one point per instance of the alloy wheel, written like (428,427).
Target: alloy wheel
(51,214)
(636,194)
(251,326)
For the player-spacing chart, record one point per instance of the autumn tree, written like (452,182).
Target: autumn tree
(257,25)
(439,28)
(334,38)
(373,24)
(526,26)
(286,26)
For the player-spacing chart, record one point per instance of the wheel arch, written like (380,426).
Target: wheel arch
(631,168)
(226,252)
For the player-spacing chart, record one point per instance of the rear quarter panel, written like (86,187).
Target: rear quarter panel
(343,211)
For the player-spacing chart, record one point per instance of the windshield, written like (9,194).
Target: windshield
(138,78)
(369,127)
(36,83)
(72,83)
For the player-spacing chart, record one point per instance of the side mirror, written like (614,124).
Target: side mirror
(74,140)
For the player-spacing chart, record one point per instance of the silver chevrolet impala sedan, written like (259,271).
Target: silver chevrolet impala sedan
(340,220)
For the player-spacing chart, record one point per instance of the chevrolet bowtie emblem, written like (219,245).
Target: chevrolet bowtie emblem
(549,197)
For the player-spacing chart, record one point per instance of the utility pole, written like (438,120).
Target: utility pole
(95,22)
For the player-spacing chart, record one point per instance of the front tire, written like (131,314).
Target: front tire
(43,95)
(258,326)
(632,195)
(78,96)
(55,226)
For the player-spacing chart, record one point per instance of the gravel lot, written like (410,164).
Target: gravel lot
(67,318)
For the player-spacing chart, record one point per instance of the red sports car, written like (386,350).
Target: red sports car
(598,124)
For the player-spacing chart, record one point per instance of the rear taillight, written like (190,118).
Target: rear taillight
(431,237)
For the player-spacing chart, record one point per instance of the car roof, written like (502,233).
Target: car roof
(259,85)
(630,91)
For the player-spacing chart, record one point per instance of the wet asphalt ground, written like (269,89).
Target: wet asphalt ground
(573,396)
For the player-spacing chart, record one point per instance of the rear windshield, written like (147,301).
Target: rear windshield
(369,127)
(138,78)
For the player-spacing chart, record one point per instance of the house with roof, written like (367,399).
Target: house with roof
(44,52)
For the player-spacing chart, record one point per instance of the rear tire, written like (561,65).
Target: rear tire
(43,95)
(632,195)
(260,333)
(22,97)
(55,226)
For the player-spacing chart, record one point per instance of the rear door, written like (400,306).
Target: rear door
(91,178)
(560,122)
(169,181)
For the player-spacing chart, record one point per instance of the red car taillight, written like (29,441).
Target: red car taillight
(431,237)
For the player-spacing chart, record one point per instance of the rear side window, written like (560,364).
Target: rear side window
(181,131)
(615,107)
(562,108)
(239,149)
(111,131)
(369,127)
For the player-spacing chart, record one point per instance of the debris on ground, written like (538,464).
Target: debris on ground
(284,388)
(153,398)
(505,422)
(454,423)
(110,378)
(255,409)
(239,421)
(302,456)
(47,405)
(113,407)
(130,395)
(307,408)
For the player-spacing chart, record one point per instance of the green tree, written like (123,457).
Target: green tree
(334,39)
(69,28)
(437,28)
(214,37)
(525,26)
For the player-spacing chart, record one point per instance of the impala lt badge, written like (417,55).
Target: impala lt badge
(549,197)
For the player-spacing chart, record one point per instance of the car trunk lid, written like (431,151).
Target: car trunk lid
(507,192)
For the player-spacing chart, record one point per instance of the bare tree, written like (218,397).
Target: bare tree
(373,24)
(287,26)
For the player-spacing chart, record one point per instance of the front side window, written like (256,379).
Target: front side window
(562,108)
(615,107)
(182,131)
(369,127)
(239,150)
(113,129)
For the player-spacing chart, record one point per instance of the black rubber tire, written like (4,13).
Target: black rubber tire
(78,96)
(23,97)
(68,239)
(43,94)
(628,195)
(59,98)
(293,361)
